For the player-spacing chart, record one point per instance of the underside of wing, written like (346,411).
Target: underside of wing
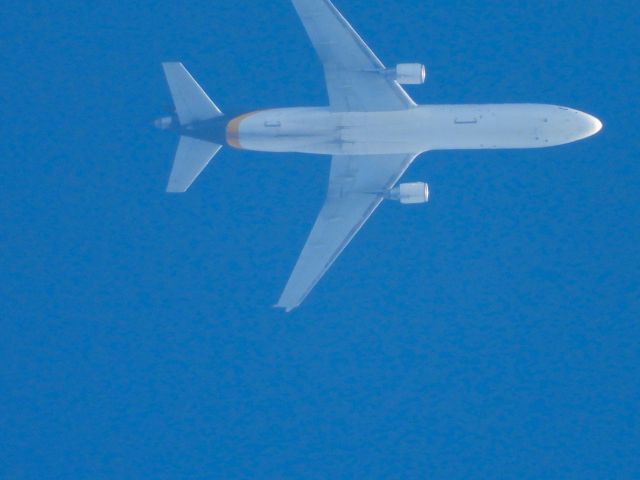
(357,185)
(355,77)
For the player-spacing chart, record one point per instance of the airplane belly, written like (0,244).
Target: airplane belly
(415,130)
(444,127)
(320,131)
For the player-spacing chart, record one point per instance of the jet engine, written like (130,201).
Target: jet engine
(416,192)
(410,73)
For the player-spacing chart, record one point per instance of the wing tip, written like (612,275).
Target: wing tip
(286,308)
(172,188)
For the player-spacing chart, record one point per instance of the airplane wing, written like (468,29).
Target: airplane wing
(354,75)
(357,185)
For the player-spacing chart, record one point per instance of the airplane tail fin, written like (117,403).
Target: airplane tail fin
(191,103)
(192,157)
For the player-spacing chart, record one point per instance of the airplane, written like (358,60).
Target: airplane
(371,128)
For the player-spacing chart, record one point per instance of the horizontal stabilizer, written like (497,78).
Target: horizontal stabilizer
(192,157)
(191,102)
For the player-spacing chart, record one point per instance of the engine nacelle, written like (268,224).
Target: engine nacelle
(410,73)
(416,192)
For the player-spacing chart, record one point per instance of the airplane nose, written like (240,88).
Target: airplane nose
(586,125)
(591,124)
(565,125)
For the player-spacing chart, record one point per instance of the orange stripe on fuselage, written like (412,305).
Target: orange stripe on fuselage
(233,127)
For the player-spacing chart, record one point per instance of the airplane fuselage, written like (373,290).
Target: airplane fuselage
(428,127)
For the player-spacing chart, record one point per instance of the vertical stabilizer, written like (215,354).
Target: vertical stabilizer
(191,102)
(192,157)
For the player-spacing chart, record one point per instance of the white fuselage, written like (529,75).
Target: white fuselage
(415,130)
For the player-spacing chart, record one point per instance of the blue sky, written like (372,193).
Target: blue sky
(492,333)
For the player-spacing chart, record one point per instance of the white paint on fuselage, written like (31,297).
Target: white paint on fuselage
(426,127)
